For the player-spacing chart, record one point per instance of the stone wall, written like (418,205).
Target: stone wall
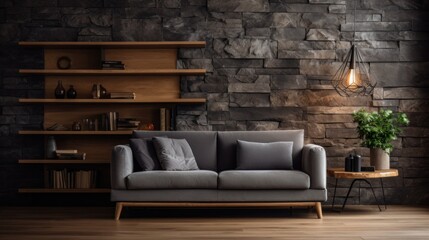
(269,66)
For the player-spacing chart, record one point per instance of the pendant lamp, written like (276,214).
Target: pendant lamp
(352,78)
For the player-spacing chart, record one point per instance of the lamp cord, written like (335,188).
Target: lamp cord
(354,22)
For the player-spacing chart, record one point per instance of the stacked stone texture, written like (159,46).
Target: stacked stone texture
(269,66)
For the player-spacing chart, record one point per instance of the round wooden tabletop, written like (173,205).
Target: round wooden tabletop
(341,173)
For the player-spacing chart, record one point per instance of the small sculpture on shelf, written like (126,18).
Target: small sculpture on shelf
(60,91)
(98,91)
(103,92)
(76,126)
(51,147)
(95,91)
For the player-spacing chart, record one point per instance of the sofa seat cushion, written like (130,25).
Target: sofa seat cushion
(263,179)
(196,179)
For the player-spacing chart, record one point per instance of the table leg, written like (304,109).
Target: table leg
(335,192)
(382,190)
(348,193)
(359,193)
(373,192)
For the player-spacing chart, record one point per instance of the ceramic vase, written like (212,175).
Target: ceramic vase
(379,159)
(71,93)
(60,91)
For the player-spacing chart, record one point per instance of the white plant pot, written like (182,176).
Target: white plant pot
(379,159)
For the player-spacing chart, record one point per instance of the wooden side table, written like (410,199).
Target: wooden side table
(338,173)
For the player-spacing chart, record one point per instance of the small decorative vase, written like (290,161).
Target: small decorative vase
(60,91)
(379,159)
(51,147)
(71,93)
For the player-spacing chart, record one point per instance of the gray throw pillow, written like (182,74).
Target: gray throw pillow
(144,154)
(174,154)
(264,156)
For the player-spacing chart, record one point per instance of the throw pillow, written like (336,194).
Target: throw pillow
(144,154)
(174,154)
(264,156)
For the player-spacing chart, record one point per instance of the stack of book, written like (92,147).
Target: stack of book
(112,65)
(122,95)
(127,124)
(72,179)
(167,119)
(69,154)
(108,121)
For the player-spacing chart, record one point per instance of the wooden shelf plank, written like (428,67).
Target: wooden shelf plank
(92,72)
(64,190)
(58,161)
(163,44)
(145,100)
(45,132)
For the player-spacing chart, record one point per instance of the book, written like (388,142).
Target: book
(61,151)
(71,156)
(112,65)
(122,95)
(162,119)
(173,119)
(167,119)
(127,124)
(111,62)
(107,121)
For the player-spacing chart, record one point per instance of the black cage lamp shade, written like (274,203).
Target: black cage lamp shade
(352,78)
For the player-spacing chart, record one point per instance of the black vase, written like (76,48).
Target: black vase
(71,93)
(356,165)
(60,91)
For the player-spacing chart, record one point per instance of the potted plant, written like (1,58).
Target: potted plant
(378,130)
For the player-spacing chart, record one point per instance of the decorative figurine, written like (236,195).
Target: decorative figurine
(95,91)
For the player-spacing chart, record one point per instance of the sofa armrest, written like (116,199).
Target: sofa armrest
(314,164)
(121,166)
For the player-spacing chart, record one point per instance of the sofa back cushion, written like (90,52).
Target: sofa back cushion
(264,156)
(202,143)
(227,145)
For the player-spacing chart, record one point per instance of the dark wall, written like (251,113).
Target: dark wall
(269,66)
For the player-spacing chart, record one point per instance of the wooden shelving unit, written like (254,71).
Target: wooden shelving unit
(64,190)
(150,72)
(58,161)
(133,45)
(100,72)
(108,101)
(45,132)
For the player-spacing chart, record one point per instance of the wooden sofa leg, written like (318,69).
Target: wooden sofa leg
(319,210)
(118,210)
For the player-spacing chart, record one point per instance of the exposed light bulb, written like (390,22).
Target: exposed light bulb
(351,79)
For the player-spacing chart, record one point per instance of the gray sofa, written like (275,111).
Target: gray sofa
(217,183)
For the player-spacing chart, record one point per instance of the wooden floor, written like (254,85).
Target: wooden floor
(356,222)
